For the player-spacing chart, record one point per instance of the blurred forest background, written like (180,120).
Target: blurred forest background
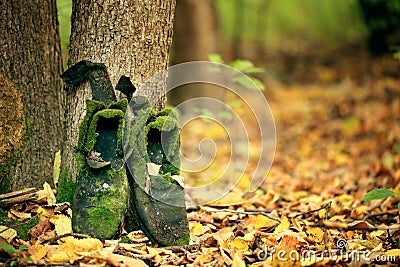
(295,41)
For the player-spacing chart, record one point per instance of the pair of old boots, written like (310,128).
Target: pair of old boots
(128,161)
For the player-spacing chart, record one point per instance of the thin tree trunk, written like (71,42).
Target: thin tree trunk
(131,38)
(195,38)
(30,59)
(238,33)
(196,30)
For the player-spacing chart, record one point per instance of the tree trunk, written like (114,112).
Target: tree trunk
(196,30)
(195,38)
(30,61)
(131,38)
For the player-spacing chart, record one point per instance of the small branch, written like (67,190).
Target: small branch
(366,217)
(326,206)
(176,249)
(66,235)
(128,253)
(346,227)
(18,193)
(378,205)
(243,212)
(204,221)
(18,197)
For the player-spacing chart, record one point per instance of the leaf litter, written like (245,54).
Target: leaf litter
(335,143)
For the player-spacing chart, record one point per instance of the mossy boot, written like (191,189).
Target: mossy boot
(101,196)
(151,148)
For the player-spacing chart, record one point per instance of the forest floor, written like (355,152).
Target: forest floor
(338,137)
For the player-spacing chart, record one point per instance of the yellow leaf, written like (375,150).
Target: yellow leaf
(57,167)
(345,200)
(209,250)
(57,254)
(322,213)
(377,233)
(7,233)
(201,259)
(378,248)
(11,216)
(296,224)
(250,237)
(284,225)
(42,211)
(70,247)
(393,252)
(239,243)
(238,261)
(37,251)
(258,222)
(264,222)
(196,228)
(46,194)
(315,234)
(63,225)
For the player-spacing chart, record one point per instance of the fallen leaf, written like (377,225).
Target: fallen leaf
(196,228)
(393,252)
(62,224)
(46,194)
(7,233)
(284,225)
(37,251)
(118,260)
(70,248)
(258,222)
(315,235)
(359,212)
(237,261)
(239,244)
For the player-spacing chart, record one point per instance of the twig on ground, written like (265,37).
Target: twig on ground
(346,227)
(18,193)
(184,248)
(66,235)
(243,212)
(218,225)
(368,216)
(128,253)
(18,197)
(326,206)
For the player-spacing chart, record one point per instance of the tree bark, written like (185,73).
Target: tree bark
(30,59)
(131,38)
